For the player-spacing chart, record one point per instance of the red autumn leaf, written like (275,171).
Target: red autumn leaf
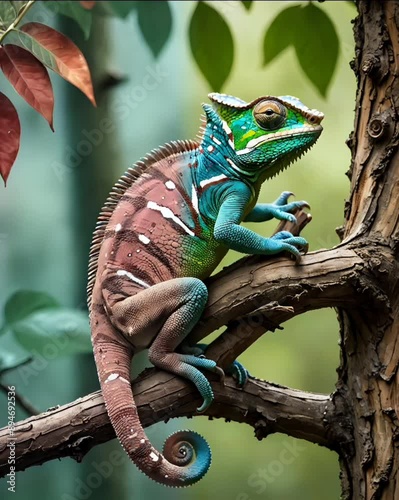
(29,78)
(10,133)
(88,4)
(65,57)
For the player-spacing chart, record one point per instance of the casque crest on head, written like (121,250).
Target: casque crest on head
(266,130)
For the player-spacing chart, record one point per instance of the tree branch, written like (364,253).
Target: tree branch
(73,429)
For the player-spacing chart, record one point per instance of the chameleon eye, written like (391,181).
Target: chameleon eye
(269,115)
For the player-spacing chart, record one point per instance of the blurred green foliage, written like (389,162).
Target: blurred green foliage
(42,250)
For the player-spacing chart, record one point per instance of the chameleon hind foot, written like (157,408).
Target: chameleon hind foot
(236,369)
(239,372)
(188,366)
(191,372)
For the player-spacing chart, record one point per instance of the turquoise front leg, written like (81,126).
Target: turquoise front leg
(279,209)
(228,231)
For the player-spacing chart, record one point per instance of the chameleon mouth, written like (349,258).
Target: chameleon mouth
(284,163)
(252,144)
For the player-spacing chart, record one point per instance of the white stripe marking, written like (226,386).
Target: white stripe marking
(216,140)
(253,143)
(143,238)
(170,185)
(227,129)
(194,198)
(122,272)
(238,169)
(154,457)
(212,180)
(168,214)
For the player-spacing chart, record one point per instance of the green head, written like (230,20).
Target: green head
(264,136)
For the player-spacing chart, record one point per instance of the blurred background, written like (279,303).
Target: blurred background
(59,183)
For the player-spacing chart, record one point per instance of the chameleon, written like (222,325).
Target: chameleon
(166,225)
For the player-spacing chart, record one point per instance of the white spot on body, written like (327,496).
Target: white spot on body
(122,272)
(212,180)
(112,377)
(118,227)
(154,457)
(243,127)
(168,214)
(142,441)
(143,238)
(170,185)
(210,148)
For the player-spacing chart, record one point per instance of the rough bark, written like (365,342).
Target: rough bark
(358,277)
(72,430)
(368,375)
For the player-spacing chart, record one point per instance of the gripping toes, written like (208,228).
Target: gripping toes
(190,365)
(239,372)
(281,208)
(285,241)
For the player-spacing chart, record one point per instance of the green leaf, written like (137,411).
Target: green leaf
(247,3)
(280,35)
(8,13)
(73,10)
(24,302)
(351,2)
(316,48)
(211,44)
(155,22)
(115,9)
(53,333)
(18,5)
(10,360)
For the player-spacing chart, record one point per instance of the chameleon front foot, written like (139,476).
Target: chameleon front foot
(285,241)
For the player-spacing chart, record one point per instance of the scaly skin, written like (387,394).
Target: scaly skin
(165,227)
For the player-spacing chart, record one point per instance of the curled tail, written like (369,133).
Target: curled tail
(186,455)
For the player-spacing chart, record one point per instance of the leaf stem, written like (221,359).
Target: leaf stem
(17,20)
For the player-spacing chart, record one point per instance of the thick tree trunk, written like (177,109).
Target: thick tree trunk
(368,375)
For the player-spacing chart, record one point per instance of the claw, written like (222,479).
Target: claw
(221,374)
(203,407)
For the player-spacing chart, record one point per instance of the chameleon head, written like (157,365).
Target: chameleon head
(265,135)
